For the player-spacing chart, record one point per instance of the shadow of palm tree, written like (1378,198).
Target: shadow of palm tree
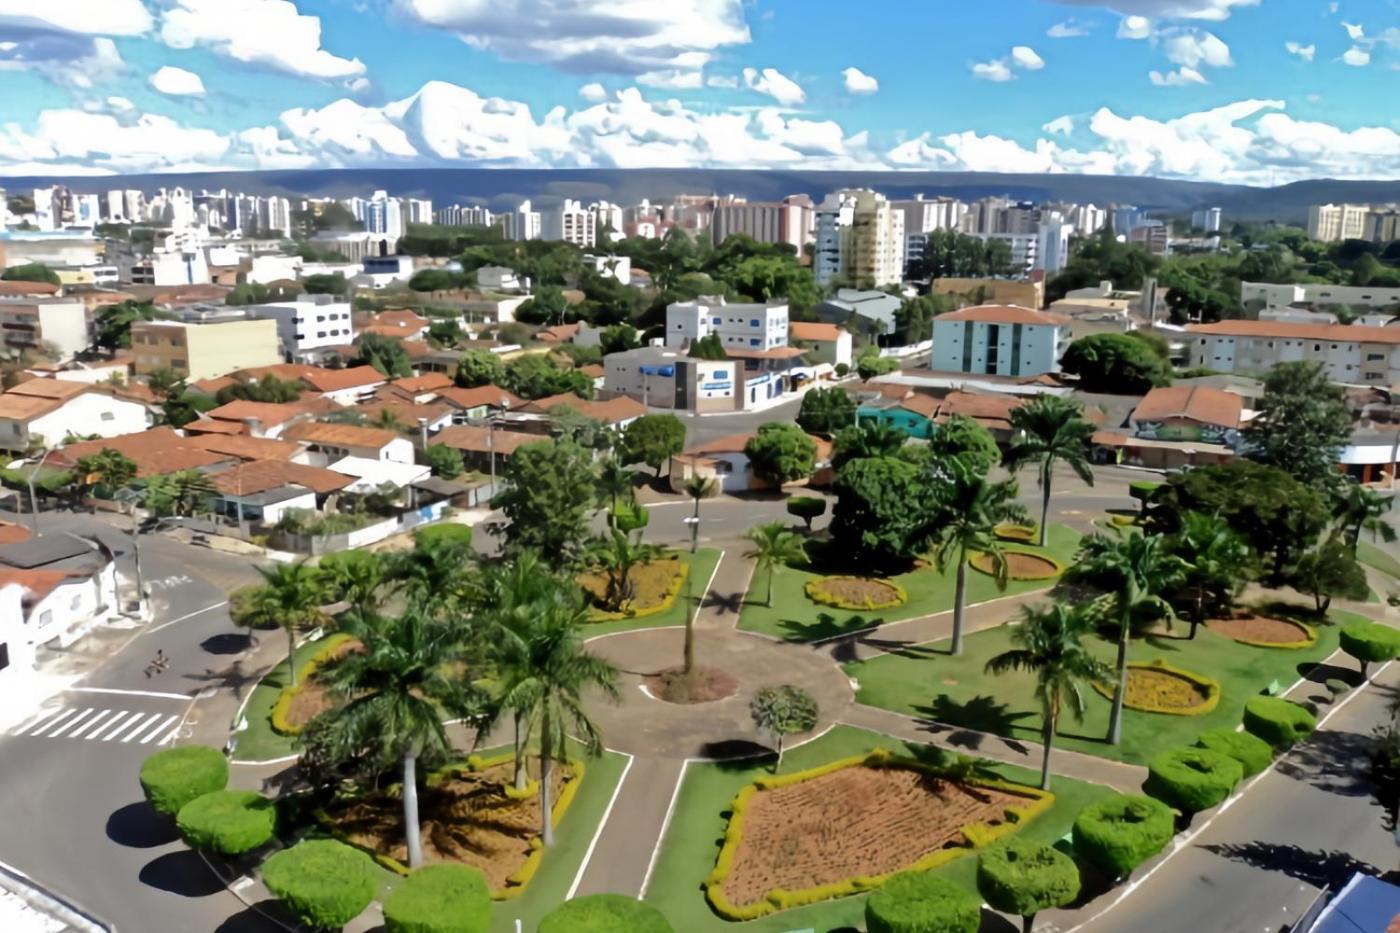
(826,626)
(1329,761)
(1321,673)
(963,724)
(723,603)
(1317,868)
(233,678)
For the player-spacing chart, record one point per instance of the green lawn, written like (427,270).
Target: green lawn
(702,567)
(258,742)
(926,683)
(794,617)
(697,826)
(1382,559)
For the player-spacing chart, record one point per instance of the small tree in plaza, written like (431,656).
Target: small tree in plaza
(229,822)
(1192,779)
(290,598)
(653,440)
(1050,430)
(1330,571)
(783,711)
(1024,878)
(1215,566)
(173,777)
(445,898)
(1370,643)
(781,453)
(1119,833)
(807,508)
(604,913)
(773,545)
(324,883)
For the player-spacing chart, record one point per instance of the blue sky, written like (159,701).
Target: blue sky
(1236,90)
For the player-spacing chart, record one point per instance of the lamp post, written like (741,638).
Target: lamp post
(34,499)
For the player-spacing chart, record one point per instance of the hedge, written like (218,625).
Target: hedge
(1026,534)
(172,778)
(818,593)
(445,533)
(1277,721)
(982,562)
(325,883)
(1252,752)
(229,822)
(668,598)
(440,899)
(280,709)
(921,902)
(605,913)
(1192,779)
(1024,878)
(1370,642)
(1120,832)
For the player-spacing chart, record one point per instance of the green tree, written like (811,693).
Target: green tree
(31,272)
(436,280)
(538,376)
(1049,644)
(433,573)
(1357,508)
(290,598)
(869,438)
(546,306)
(1115,363)
(479,368)
(445,461)
(385,354)
(1138,569)
(1302,424)
(708,347)
(870,363)
(1383,758)
(185,493)
(358,578)
(653,440)
(963,439)
(806,508)
(1050,430)
(881,515)
(826,411)
(1023,878)
(1330,571)
(267,389)
(1215,566)
(322,284)
(166,383)
(772,546)
(549,493)
(619,337)
(112,323)
(781,712)
(614,483)
(107,468)
(781,453)
(697,488)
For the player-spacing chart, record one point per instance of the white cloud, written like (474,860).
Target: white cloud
(1023,56)
(674,79)
(1134,27)
(1357,33)
(776,85)
(271,33)
(1060,126)
(1181,77)
(1305,52)
(618,36)
(112,143)
(1169,9)
(995,70)
(1356,57)
(593,92)
(79,17)
(1193,49)
(120,104)
(1069,29)
(858,82)
(177,82)
(725,81)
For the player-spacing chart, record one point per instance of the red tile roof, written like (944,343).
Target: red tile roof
(1289,330)
(336,380)
(339,435)
(28,289)
(418,385)
(980,406)
(810,330)
(474,439)
(257,476)
(480,395)
(1196,403)
(1005,314)
(59,389)
(155,452)
(246,448)
(212,426)
(611,411)
(13,534)
(38,583)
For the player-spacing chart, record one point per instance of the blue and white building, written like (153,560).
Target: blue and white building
(999,340)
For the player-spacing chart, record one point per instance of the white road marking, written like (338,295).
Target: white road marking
(77,733)
(72,722)
(188,615)
(131,693)
(128,732)
(172,736)
(158,729)
(111,726)
(602,824)
(37,722)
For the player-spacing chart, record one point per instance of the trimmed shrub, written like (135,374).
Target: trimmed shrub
(1252,752)
(445,533)
(1277,721)
(1370,643)
(806,508)
(921,902)
(605,913)
(440,899)
(826,591)
(326,884)
(229,822)
(1192,779)
(1119,833)
(172,778)
(1024,878)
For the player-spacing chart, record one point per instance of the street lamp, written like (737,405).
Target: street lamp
(33,499)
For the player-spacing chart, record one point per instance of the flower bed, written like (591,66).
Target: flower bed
(1025,534)
(850,825)
(297,706)
(1160,688)
(1265,632)
(657,584)
(1020,565)
(857,593)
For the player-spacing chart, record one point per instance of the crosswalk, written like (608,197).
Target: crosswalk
(96,724)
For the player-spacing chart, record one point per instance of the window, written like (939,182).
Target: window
(108,416)
(717,321)
(1317,347)
(753,322)
(46,617)
(754,342)
(75,602)
(1374,357)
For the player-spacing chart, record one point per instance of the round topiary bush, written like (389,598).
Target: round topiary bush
(172,778)
(229,822)
(1252,752)
(605,913)
(1369,642)
(1277,721)
(1120,832)
(1024,878)
(1192,779)
(920,902)
(326,884)
(440,899)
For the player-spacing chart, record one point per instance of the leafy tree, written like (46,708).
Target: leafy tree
(1115,363)
(1302,425)
(568,422)
(385,354)
(1370,643)
(479,368)
(871,364)
(869,438)
(185,493)
(165,383)
(267,389)
(549,492)
(31,272)
(772,546)
(442,898)
(781,453)
(653,440)
(432,573)
(539,376)
(1357,508)
(436,280)
(182,407)
(880,518)
(619,337)
(107,468)
(1023,878)
(333,284)
(708,347)
(961,438)
(1050,430)
(1330,570)
(1384,760)
(806,508)
(1216,566)
(359,578)
(913,321)
(781,712)
(1101,258)
(112,323)
(614,483)
(546,306)
(826,411)
(446,333)
(445,461)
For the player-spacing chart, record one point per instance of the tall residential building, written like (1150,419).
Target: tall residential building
(1126,218)
(832,223)
(204,351)
(1383,226)
(384,214)
(1207,219)
(786,221)
(1052,242)
(1330,223)
(1088,219)
(417,211)
(465,215)
(569,222)
(606,215)
(126,206)
(1349,353)
(1025,247)
(523,223)
(999,340)
(859,237)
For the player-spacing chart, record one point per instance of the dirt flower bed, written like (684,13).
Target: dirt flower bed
(468,818)
(297,706)
(704,685)
(855,593)
(1264,631)
(656,584)
(1019,565)
(1161,688)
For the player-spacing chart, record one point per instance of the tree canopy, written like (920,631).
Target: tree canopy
(1116,363)
(1302,425)
(653,440)
(781,453)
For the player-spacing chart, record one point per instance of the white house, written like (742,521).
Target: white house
(271,267)
(383,271)
(309,323)
(756,327)
(999,340)
(1270,295)
(1350,354)
(68,583)
(617,267)
(16,651)
(345,386)
(42,412)
(334,442)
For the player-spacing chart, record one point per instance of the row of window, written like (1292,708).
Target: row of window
(1317,347)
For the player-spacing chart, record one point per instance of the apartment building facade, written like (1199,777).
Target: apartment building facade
(1349,354)
(58,324)
(746,327)
(787,221)
(1330,223)
(999,340)
(860,238)
(205,350)
(311,322)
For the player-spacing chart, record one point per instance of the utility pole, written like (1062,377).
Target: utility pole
(33,498)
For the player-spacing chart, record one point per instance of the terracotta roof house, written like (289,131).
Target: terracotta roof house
(1001,340)
(345,386)
(830,343)
(246,448)
(1191,414)
(437,415)
(269,419)
(331,442)
(615,412)
(212,426)
(476,402)
(723,460)
(422,388)
(20,289)
(403,324)
(480,445)
(261,475)
(43,412)
(559,333)
(155,452)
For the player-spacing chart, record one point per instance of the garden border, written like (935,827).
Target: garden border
(1211,685)
(277,718)
(900,596)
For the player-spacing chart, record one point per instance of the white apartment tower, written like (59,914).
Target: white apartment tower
(1330,223)
(417,211)
(787,221)
(523,223)
(384,215)
(606,215)
(571,223)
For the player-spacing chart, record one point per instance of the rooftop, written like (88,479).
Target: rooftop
(474,439)
(246,448)
(336,380)
(1197,403)
(1005,314)
(155,452)
(491,395)
(809,330)
(257,476)
(339,435)
(1288,330)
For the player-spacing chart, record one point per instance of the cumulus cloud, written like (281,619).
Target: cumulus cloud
(1192,49)
(78,17)
(1134,27)
(1305,52)
(1356,57)
(177,82)
(1023,56)
(725,81)
(112,143)
(1169,9)
(1069,29)
(995,70)
(776,85)
(619,36)
(1181,77)
(271,33)
(673,78)
(593,92)
(1357,33)
(1060,126)
(858,82)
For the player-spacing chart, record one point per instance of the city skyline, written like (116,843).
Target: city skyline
(1210,90)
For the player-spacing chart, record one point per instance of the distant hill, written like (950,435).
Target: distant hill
(500,188)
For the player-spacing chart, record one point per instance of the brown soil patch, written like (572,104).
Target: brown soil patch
(704,685)
(857,591)
(857,821)
(1019,566)
(467,819)
(1150,689)
(1259,629)
(654,582)
(311,699)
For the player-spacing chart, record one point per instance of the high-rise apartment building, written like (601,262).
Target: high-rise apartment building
(569,222)
(787,221)
(465,215)
(384,214)
(523,223)
(1330,223)
(417,211)
(1207,218)
(859,238)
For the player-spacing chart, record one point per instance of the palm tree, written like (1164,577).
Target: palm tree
(1215,562)
(869,438)
(1357,508)
(615,555)
(185,493)
(357,577)
(1050,644)
(698,487)
(614,484)
(291,598)
(544,674)
(108,467)
(1050,430)
(395,693)
(1138,569)
(433,572)
(774,545)
(973,507)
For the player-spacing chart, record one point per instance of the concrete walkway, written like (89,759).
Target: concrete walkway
(627,842)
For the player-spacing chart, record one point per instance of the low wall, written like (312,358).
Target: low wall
(361,537)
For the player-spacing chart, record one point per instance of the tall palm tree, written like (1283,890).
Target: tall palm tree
(972,508)
(615,555)
(698,487)
(1216,564)
(290,597)
(544,674)
(614,484)
(1357,508)
(1137,569)
(1049,643)
(773,545)
(395,693)
(433,573)
(1050,430)
(360,578)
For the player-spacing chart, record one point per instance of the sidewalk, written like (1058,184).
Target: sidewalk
(634,828)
